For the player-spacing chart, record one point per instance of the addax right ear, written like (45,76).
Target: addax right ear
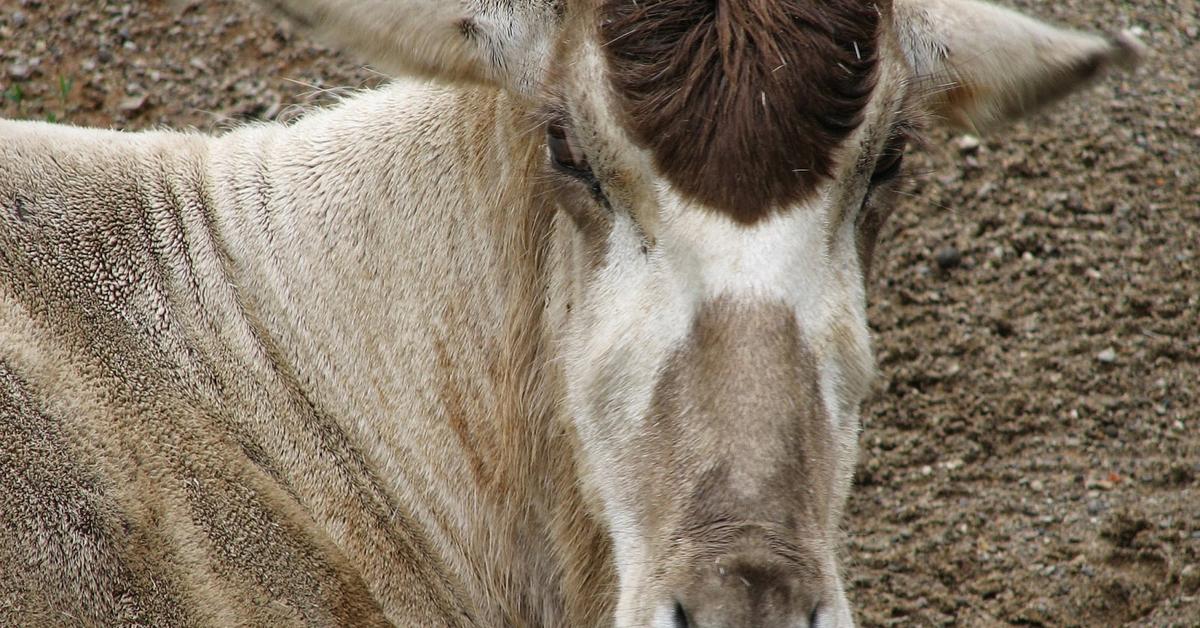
(980,64)
(505,44)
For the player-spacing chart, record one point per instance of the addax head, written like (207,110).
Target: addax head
(721,170)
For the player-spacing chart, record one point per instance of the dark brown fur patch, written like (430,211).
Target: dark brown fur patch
(742,102)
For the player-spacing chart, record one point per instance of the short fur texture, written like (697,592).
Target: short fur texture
(487,42)
(336,373)
(743,103)
(981,65)
(714,516)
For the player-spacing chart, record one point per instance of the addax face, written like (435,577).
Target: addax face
(720,194)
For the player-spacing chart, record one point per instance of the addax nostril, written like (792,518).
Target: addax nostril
(814,616)
(681,616)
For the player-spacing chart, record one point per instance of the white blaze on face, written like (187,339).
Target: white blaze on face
(640,306)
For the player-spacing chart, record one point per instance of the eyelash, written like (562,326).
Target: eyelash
(558,141)
(890,162)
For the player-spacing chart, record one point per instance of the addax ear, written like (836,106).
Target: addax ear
(505,44)
(980,64)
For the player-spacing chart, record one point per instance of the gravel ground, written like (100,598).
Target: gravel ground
(1032,455)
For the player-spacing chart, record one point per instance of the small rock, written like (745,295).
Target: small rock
(1189,578)
(1108,356)
(1103,481)
(19,19)
(19,72)
(948,258)
(949,177)
(1037,485)
(967,144)
(133,104)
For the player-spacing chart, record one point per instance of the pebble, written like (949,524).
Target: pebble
(1189,578)
(967,144)
(19,72)
(133,104)
(948,258)
(1108,356)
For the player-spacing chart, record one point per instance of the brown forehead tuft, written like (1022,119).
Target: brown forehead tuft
(742,102)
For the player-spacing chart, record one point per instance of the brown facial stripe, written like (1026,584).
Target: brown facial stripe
(742,102)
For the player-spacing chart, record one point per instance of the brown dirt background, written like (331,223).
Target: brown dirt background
(1032,455)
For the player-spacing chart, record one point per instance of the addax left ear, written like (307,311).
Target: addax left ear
(980,64)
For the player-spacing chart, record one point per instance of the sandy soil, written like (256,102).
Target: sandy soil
(1032,455)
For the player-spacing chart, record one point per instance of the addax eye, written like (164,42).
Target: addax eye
(565,152)
(887,166)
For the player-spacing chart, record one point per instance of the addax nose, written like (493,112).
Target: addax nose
(747,590)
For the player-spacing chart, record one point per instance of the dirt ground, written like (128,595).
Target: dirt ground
(1032,454)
